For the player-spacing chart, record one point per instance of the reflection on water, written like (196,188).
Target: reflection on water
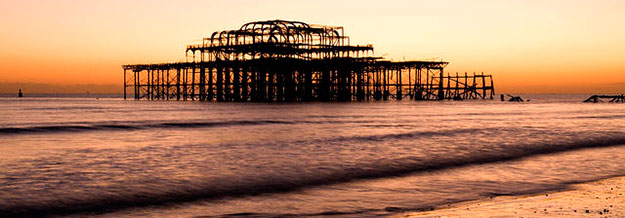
(75,156)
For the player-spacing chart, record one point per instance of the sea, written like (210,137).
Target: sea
(90,156)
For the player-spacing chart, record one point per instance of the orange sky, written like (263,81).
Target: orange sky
(529,46)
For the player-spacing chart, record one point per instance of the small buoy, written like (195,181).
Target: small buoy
(19,93)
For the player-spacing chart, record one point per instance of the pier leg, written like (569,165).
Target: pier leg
(244,84)
(220,80)
(125,84)
(178,84)
(202,84)
(210,84)
(136,85)
(441,91)
(236,85)
(193,81)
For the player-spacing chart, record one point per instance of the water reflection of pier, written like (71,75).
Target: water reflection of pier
(293,61)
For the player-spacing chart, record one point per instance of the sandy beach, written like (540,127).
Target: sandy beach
(603,198)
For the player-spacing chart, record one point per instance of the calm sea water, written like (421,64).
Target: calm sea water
(113,158)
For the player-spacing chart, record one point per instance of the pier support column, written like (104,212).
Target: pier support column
(399,85)
(210,94)
(168,85)
(125,84)
(441,91)
(236,87)
(193,81)
(244,84)
(136,84)
(202,84)
(178,84)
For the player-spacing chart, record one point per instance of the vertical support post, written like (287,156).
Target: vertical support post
(254,84)
(150,85)
(466,85)
(139,84)
(227,83)
(441,91)
(492,87)
(193,79)
(210,84)
(157,88)
(202,83)
(154,82)
(385,84)
(427,83)
(270,84)
(308,84)
(399,84)
(178,84)
(184,83)
(359,88)
(220,76)
(418,85)
(448,94)
(124,83)
(163,85)
(262,84)
(236,85)
(410,83)
(244,84)
(483,86)
(136,84)
(158,84)
(168,84)
(147,85)
(367,80)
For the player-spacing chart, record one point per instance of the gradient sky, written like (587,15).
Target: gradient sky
(528,45)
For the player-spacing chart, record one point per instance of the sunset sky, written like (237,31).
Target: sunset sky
(555,46)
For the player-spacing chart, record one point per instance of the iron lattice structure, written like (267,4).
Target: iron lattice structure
(280,60)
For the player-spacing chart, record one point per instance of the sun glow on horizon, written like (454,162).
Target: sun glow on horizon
(529,46)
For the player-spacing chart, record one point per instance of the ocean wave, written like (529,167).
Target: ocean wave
(161,125)
(245,185)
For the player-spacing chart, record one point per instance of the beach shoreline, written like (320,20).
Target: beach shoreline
(601,198)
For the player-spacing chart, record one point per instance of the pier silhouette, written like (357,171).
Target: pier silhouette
(287,61)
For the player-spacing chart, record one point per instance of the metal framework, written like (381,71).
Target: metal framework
(619,98)
(280,60)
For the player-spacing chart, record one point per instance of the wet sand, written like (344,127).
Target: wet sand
(604,198)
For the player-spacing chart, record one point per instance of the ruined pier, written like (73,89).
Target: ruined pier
(619,98)
(287,61)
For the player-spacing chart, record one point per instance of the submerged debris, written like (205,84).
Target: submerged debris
(610,98)
(515,98)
